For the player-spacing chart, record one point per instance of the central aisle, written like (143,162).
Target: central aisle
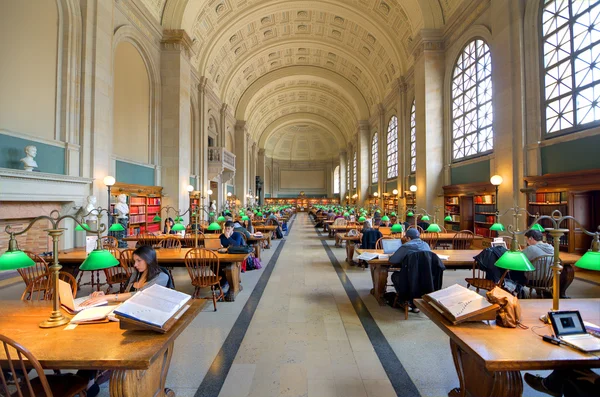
(305,338)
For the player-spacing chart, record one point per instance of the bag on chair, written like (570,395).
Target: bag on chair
(240,249)
(509,314)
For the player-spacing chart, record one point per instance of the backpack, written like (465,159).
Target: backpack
(509,314)
(240,249)
(278,233)
(170,283)
(284,227)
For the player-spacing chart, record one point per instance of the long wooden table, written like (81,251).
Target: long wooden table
(458,259)
(488,358)
(73,257)
(139,360)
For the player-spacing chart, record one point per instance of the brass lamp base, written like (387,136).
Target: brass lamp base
(55,320)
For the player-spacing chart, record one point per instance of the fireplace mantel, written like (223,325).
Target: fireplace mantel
(19,185)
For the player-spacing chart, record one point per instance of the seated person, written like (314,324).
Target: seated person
(566,382)
(535,246)
(410,221)
(413,244)
(423,224)
(230,237)
(240,229)
(168,229)
(369,236)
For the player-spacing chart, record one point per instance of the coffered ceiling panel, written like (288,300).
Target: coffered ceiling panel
(303,141)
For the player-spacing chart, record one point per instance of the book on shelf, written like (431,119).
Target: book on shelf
(156,308)
(485,199)
(459,304)
(550,197)
(452,200)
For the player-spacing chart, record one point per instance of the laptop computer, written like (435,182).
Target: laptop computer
(390,245)
(569,328)
(73,305)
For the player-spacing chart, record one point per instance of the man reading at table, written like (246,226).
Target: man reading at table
(413,244)
(229,237)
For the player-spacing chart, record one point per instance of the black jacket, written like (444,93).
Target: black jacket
(369,238)
(486,261)
(421,272)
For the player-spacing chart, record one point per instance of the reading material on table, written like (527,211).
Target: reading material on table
(459,304)
(154,307)
(368,256)
(93,315)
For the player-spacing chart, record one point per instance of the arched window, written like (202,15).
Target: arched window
(413,139)
(374,159)
(336,180)
(472,114)
(571,60)
(392,148)
(354,171)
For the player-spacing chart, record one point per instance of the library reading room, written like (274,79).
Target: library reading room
(300,198)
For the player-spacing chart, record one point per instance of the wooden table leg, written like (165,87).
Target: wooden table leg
(143,383)
(268,240)
(566,278)
(379,276)
(350,252)
(257,250)
(475,380)
(232,274)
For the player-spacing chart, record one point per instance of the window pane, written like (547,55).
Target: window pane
(472,112)
(413,139)
(374,159)
(354,171)
(392,148)
(336,180)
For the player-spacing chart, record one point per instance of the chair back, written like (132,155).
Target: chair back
(17,356)
(203,267)
(171,242)
(419,228)
(189,240)
(127,260)
(385,230)
(37,290)
(28,274)
(541,277)
(340,222)
(147,239)
(462,240)
(431,238)
(212,243)
(109,242)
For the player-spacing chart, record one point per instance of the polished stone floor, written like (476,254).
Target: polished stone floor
(311,331)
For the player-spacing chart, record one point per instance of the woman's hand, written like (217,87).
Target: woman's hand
(97,293)
(96,299)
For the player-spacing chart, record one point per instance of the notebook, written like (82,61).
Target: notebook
(569,328)
(390,245)
(66,298)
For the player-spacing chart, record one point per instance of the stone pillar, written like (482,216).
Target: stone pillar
(343,187)
(203,183)
(382,141)
(221,139)
(241,161)
(364,159)
(175,73)
(429,87)
(260,171)
(403,140)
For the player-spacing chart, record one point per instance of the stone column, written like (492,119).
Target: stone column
(363,159)
(260,171)
(343,187)
(403,140)
(221,139)
(175,73)
(382,141)
(203,183)
(429,84)
(241,161)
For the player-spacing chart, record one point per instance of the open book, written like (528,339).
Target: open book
(459,304)
(94,315)
(368,256)
(154,306)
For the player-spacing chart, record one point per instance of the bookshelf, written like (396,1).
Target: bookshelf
(484,214)
(471,206)
(452,208)
(144,203)
(390,204)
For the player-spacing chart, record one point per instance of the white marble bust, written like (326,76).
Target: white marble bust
(213,207)
(121,207)
(90,209)
(28,161)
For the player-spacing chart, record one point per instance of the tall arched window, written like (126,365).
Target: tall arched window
(354,171)
(392,148)
(571,59)
(472,114)
(374,159)
(336,180)
(413,139)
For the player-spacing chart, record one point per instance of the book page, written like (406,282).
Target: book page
(154,303)
(144,314)
(159,292)
(367,256)
(459,301)
(92,314)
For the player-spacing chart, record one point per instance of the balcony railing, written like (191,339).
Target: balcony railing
(222,156)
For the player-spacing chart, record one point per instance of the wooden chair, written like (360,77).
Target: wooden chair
(419,228)
(29,274)
(109,242)
(541,278)
(41,288)
(19,361)
(120,274)
(147,239)
(203,268)
(171,243)
(69,279)
(462,240)
(190,239)
(432,239)
(479,281)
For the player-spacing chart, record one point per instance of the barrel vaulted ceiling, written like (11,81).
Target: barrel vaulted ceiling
(300,70)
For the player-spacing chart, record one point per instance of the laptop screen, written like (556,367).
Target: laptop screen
(567,323)
(390,245)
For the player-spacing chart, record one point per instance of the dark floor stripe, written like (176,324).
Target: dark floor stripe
(399,378)
(290,225)
(587,281)
(8,274)
(217,373)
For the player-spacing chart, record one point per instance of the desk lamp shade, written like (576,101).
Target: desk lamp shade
(590,260)
(178,218)
(116,227)
(393,214)
(245,218)
(378,211)
(385,218)
(259,213)
(14,258)
(99,259)
(538,227)
(178,227)
(497,227)
(211,214)
(362,219)
(156,218)
(515,260)
(397,228)
(410,213)
(448,218)
(221,219)
(434,228)
(214,226)
(80,228)
(346,214)
(425,217)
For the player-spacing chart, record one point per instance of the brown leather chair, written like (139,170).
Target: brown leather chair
(203,268)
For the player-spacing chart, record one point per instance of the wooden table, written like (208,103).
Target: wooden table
(267,230)
(350,245)
(458,259)
(488,358)
(139,360)
(73,257)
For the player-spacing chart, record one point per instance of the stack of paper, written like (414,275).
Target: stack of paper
(368,256)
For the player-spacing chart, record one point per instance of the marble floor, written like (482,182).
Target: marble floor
(301,328)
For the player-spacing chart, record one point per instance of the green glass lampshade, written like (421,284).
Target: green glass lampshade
(385,218)
(211,214)
(259,213)
(12,260)
(178,219)
(241,213)
(590,260)
(156,218)
(448,218)
(221,219)
(515,260)
(116,227)
(346,214)
(228,213)
(397,228)
(410,213)
(538,227)
(178,227)
(80,228)
(425,217)
(393,214)
(214,226)
(433,228)
(497,227)
(362,219)
(378,211)
(99,259)
(245,218)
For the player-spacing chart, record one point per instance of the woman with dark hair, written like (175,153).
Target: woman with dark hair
(146,274)
(248,225)
(169,230)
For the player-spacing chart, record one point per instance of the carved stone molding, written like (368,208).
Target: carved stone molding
(428,41)
(177,40)
(6,173)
